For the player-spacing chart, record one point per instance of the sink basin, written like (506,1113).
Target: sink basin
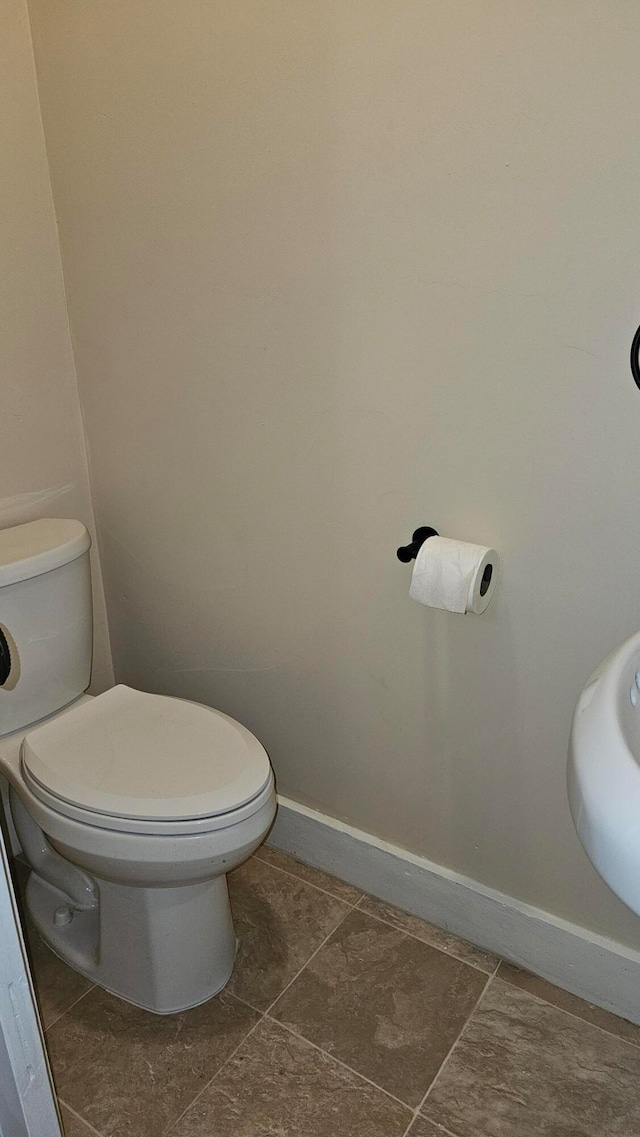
(604,770)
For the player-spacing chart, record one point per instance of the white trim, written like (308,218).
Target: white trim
(582,962)
(27,1101)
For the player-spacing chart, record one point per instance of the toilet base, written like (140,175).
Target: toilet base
(162,949)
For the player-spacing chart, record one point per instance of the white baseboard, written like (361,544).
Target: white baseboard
(595,968)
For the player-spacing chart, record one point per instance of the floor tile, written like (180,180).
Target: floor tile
(280,921)
(523,1068)
(430,934)
(383,1002)
(571,1003)
(320,879)
(72,1125)
(280,1086)
(131,1073)
(57,985)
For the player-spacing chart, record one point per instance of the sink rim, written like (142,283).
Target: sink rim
(603,774)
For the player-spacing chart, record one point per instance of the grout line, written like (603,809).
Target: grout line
(436,1125)
(405,932)
(564,1011)
(339,1062)
(79,1117)
(466,1024)
(218,1071)
(262,1014)
(70,1007)
(301,880)
(353,907)
(366,896)
(239,999)
(308,961)
(420,1106)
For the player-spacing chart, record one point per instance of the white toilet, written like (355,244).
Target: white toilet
(130,808)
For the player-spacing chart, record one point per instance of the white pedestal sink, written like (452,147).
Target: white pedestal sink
(604,770)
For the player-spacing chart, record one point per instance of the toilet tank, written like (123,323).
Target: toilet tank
(45,619)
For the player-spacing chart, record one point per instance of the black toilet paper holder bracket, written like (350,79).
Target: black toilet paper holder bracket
(409,552)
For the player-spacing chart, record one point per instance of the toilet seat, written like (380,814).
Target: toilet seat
(136,762)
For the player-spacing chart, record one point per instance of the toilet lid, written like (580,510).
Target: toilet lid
(150,757)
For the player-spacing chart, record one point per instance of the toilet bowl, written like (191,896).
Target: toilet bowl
(130,807)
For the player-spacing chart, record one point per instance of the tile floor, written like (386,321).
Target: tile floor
(344,1016)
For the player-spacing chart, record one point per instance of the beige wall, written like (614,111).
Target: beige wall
(336,270)
(43,466)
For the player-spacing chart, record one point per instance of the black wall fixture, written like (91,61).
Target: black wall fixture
(635,358)
(5,659)
(409,552)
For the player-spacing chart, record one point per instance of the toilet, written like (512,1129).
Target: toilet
(129,807)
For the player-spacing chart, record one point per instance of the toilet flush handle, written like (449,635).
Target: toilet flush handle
(5,659)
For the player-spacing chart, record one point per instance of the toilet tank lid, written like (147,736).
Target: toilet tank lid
(39,546)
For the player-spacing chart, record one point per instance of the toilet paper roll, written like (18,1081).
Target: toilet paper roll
(454,575)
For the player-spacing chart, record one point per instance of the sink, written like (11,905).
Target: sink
(604,770)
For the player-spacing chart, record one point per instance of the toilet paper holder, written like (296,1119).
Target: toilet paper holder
(409,552)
